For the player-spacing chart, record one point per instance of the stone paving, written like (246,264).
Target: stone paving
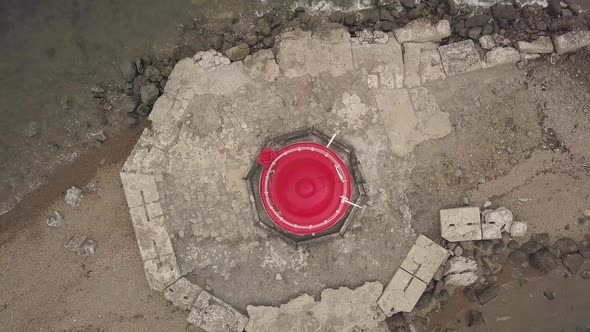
(184,179)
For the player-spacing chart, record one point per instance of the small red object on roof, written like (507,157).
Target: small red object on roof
(305,187)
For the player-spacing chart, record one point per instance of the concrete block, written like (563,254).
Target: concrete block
(501,56)
(542,45)
(161,272)
(571,41)
(424,258)
(494,222)
(459,58)
(182,293)
(460,224)
(212,314)
(422,30)
(490,231)
(518,229)
(401,294)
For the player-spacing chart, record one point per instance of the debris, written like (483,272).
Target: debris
(460,279)
(460,271)
(518,229)
(487,293)
(501,217)
(81,245)
(55,220)
(73,196)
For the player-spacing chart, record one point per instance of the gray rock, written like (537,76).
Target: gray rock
(127,105)
(542,238)
(585,251)
(549,295)
(566,246)
(460,265)
(128,70)
(73,196)
(152,73)
(543,260)
(459,58)
(518,258)
(573,262)
(586,274)
(458,251)
(513,245)
(424,301)
(474,33)
(531,246)
(469,293)
(487,293)
(149,94)
(55,220)
(475,318)
(571,41)
(238,52)
(31,129)
(408,3)
(98,92)
(131,121)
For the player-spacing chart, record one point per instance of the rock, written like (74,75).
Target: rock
(487,293)
(459,58)
(469,293)
(73,196)
(518,258)
(101,136)
(459,265)
(513,245)
(549,295)
(340,309)
(438,275)
(585,251)
(566,246)
(149,94)
(458,251)
(500,56)
(586,274)
(542,238)
(81,245)
(487,43)
(475,318)
(262,65)
(460,279)
(477,21)
(131,121)
(474,33)
(126,105)
(573,262)
(492,266)
(543,260)
(531,246)
(503,12)
(408,3)
(152,74)
(543,44)
(98,92)
(55,220)
(31,129)
(554,7)
(128,70)
(424,301)
(518,229)
(422,30)
(485,248)
(571,41)
(238,52)
(216,42)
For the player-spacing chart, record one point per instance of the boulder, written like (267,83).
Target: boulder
(566,246)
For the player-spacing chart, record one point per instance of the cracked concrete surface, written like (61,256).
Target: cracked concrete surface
(213,117)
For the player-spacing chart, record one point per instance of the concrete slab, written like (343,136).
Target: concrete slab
(339,309)
(182,293)
(460,58)
(401,294)
(212,314)
(424,258)
(460,224)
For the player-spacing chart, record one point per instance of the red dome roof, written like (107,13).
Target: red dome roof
(304,187)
